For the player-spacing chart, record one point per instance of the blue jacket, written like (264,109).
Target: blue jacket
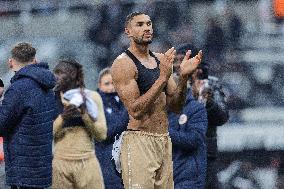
(117,120)
(26,118)
(187,131)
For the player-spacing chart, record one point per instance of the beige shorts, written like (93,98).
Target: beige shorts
(146,161)
(77,174)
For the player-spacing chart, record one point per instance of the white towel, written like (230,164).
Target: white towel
(116,149)
(75,97)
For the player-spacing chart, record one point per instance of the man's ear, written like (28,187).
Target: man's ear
(10,63)
(34,61)
(127,32)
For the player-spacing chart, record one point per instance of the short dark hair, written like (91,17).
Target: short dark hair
(23,52)
(103,72)
(73,67)
(131,16)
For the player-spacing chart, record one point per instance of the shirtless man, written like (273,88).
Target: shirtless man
(145,85)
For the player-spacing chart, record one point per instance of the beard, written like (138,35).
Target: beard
(141,41)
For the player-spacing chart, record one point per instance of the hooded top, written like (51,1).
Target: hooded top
(26,118)
(39,73)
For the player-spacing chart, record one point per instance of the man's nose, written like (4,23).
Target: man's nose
(147,28)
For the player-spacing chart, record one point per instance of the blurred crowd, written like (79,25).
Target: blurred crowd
(223,33)
(225,36)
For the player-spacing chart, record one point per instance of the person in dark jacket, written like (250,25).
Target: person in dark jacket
(187,131)
(117,119)
(208,90)
(26,117)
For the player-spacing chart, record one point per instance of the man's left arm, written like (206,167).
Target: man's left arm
(10,110)
(176,93)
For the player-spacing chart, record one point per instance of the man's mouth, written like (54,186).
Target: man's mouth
(147,35)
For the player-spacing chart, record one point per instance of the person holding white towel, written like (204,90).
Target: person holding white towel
(82,120)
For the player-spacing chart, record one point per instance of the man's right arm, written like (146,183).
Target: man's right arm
(123,73)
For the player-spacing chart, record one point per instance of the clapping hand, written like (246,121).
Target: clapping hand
(166,63)
(189,65)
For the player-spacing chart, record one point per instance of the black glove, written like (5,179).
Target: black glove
(70,111)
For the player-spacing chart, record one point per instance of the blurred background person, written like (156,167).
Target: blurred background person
(215,43)
(208,90)
(81,120)
(117,119)
(235,29)
(211,94)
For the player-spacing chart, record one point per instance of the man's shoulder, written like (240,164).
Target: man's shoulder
(122,59)
(25,88)
(122,65)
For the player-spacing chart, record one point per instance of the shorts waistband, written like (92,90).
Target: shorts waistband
(138,132)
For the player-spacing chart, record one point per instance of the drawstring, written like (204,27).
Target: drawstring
(84,164)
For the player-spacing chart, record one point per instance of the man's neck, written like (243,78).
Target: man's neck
(21,65)
(141,51)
